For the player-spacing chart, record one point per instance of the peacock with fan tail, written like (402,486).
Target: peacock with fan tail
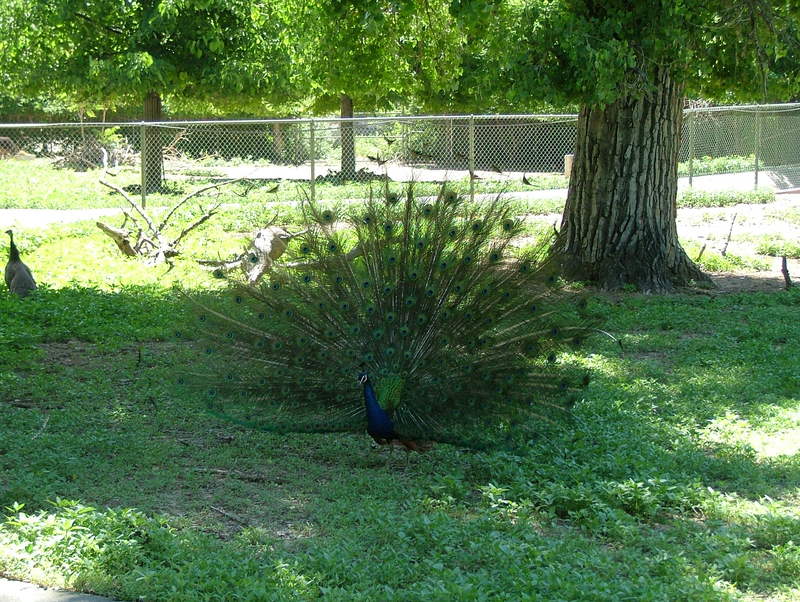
(422,302)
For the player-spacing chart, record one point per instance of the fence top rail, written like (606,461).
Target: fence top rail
(773,108)
(296,120)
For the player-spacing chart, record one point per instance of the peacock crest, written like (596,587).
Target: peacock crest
(423,301)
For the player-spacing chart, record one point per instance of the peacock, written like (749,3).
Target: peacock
(415,317)
(18,276)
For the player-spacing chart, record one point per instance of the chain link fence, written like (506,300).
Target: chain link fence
(762,139)
(483,153)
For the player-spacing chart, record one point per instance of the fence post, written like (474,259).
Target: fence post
(471,158)
(691,145)
(450,141)
(143,163)
(758,145)
(313,150)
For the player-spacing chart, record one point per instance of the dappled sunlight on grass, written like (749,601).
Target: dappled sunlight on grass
(675,475)
(732,430)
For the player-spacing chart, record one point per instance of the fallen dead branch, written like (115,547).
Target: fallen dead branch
(147,238)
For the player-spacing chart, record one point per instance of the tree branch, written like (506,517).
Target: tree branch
(211,212)
(191,196)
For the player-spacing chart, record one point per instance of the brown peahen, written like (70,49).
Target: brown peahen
(412,318)
(19,279)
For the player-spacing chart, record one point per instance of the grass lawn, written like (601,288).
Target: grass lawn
(675,477)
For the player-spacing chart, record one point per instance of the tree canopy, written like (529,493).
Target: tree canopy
(598,51)
(227,52)
(380,53)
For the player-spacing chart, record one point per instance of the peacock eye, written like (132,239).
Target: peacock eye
(307,278)
(305,249)
(332,247)
(276,286)
(238,299)
(327,216)
(253,258)
(508,225)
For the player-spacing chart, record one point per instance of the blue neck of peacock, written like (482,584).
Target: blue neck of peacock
(379,423)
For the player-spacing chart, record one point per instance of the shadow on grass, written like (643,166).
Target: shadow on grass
(614,499)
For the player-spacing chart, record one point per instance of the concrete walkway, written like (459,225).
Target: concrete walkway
(19,591)
(34,218)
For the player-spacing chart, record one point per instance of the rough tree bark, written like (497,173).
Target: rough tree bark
(619,224)
(152,158)
(348,171)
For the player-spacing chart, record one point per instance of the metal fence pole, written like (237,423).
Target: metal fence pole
(143,158)
(313,150)
(450,141)
(758,146)
(471,158)
(691,146)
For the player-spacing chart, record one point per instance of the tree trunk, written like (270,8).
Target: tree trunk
(348,142)
(619,220)
(152,157)
(277,141)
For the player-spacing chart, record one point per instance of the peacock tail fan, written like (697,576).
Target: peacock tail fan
(454,324)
